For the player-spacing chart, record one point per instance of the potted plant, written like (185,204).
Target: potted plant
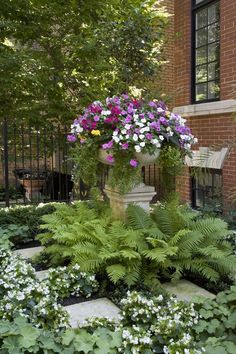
(126,133)
(33,182)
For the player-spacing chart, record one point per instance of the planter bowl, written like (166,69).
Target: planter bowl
(102,156)
(147,159)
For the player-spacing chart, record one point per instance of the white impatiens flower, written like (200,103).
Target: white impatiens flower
(106,113)
(142,144)
(141,136)
(137,148)
(135,137)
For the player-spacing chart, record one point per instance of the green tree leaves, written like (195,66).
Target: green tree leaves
(58,56)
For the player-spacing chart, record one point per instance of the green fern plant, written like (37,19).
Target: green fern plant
(180,242)
(170,241)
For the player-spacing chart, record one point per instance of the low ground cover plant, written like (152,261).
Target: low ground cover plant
(21,223)
(22,294)
(170,241)
(217,325)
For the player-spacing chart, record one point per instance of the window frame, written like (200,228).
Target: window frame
(194,188)
(195,8)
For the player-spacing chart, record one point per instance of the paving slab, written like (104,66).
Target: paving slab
(29,252)
(186,290)
(95,308)
(42,274)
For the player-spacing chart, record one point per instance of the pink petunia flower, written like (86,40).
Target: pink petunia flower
(133,163)
(110,158)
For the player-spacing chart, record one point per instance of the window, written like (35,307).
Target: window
(206,50)
(207,190)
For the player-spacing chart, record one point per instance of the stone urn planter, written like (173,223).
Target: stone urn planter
(102,155)
(147,159)
(32,188)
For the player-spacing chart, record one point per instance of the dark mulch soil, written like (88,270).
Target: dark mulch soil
(29,244)
(214,288)
(77,300)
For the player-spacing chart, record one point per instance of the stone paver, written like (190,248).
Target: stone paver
(95,308)
(42,274)
(29,252)
(185,290)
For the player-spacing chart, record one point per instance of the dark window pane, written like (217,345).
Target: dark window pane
(201,37)
(213,52)
(213,33)
(201,92)
(201,73)
(213,13)
(213,90)
(201,55)
(201,18)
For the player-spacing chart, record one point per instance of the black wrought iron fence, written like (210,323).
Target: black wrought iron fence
(36,166)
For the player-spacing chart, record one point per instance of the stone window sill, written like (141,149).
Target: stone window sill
(205,109)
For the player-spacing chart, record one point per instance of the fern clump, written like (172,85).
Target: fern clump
(182,242)
(170,241)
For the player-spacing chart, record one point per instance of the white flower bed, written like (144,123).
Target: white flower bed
(23,294)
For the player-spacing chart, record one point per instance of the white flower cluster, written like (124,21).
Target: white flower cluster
(158,324)
(23,294)
(66,281)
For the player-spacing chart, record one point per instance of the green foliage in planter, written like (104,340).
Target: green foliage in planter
(169,242)
(217,325)
(20,337)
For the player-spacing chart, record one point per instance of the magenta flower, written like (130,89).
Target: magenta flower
(133,163)
(116,110)
(125,146)
(149,136)
(108,145)
(110,158)
(96,118)
(71,138)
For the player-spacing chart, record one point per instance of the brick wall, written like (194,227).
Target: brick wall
(167,74)
(182,52)
(228,49)
(212,129)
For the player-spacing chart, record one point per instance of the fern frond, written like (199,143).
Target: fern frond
(116,272)
(138,218)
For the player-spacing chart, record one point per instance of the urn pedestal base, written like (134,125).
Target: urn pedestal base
(140,195)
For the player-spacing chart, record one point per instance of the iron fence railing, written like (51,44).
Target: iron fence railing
(36,165)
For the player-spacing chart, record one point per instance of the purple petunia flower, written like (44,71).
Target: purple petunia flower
(149,136)
(71,138)
(133,163)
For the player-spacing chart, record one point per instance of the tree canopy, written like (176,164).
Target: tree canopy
(57,56)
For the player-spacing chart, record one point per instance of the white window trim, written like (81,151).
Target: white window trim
(205,109)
